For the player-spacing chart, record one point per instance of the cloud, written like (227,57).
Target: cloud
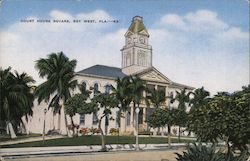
(24,43)
(173,19)
(206,19)
(200,49)
(197,49)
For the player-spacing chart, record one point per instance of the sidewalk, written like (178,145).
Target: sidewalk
(48,151)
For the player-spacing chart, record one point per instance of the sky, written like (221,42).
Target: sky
(197,43)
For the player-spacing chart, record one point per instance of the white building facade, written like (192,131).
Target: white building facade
(137,59)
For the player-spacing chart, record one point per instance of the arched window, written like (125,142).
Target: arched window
(108,88)
(141,58)
(82,119)
(94,118)
(83,87)
(128,59)
(128,117)
(96,89)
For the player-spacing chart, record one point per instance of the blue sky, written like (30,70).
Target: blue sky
(198,43)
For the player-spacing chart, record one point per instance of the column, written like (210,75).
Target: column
(144,118)
(132,122)
(167,97)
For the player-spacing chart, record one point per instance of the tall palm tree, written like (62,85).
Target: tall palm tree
(136,88)
(182,97)
(121,93)
(200,98)
(59,73)
(157,97)
(16,98)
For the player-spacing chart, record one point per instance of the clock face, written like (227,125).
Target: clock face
(142,40)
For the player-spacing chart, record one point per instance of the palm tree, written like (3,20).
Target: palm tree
(200,98)
(59,73)
(121,93)
(157,97)
(182,97)
(16,98)
(136,87)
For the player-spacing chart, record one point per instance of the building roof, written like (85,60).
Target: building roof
(103,71)
(137,26)
(182,86)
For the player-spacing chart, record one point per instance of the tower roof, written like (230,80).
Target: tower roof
(137,26)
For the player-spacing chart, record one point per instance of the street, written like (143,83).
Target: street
(109,156)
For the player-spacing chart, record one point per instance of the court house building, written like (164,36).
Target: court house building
(137,59)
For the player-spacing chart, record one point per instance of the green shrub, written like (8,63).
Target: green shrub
(208,153)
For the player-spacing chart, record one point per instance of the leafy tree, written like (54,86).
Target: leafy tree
(59,73)
(224,117)
(160,118)
(16,97)
(106,102)
(180,118)
(102,101)
(73,105)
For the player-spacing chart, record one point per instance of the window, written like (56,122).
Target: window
(128,59)
(128,117)
(83,87)
(94,119)
(117,119)
(82,119)
(108,88)
(107,120)
(162,88)
(96,89)
(149,112)
(141,58)
(151,87)
(140,116)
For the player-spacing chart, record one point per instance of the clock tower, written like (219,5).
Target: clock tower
(136,53)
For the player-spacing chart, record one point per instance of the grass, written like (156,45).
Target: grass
(94,140)
(6,137)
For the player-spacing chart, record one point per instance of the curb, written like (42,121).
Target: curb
(78,150)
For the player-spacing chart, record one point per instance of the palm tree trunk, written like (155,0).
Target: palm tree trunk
(162,133)
(169,140)
(11,130)
(169,129)
(66,123)
(179,135)
(104,148)
(227,149)
(53,121)
(24,127)
(73,125)
(59,120)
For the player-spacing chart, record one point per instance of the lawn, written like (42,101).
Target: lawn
(95,140)
(6,137)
